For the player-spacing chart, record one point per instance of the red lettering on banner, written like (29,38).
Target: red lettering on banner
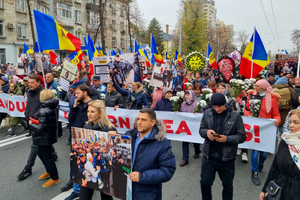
(249,135)
(168,124)
(6,103)
(23,106)
(113,120)
(11,106)
(183,128)
(66,115)
(123,122)
(1,103)
(256,134)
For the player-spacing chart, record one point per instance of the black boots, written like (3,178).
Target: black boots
(25,173)
(255,178)
(260,167)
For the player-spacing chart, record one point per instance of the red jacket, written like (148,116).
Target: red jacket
(274,112)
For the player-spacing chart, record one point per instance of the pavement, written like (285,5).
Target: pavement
(184,184)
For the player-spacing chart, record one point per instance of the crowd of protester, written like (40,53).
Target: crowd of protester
(277,90)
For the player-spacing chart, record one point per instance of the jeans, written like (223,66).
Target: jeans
(255,161)
(34,152)
(186,151)
(45,154)
(226,173)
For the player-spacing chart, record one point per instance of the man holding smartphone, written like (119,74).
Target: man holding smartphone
(223,129)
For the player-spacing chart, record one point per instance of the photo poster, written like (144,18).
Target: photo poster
(102,162)
(143,66)
(162,75)
(67,75)
(101,68)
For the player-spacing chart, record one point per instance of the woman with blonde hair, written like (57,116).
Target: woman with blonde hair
(98,120)
(285,169)
(44,134)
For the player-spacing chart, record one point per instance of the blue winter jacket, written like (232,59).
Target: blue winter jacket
(155,162)
(164,105)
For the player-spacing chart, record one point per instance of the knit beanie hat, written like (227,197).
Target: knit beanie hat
(218,99)
(166,90)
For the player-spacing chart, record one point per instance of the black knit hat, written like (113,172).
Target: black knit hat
(218,99)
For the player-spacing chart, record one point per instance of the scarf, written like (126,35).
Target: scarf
(293,142)
(269,90)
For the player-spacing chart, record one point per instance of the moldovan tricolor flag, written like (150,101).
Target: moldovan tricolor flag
(256,53)
(53,56)
(211,57)
(27,50)
(52,36)
(157,56)
(178,57)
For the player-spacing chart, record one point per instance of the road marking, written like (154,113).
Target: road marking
(63,195)
(13,138)
(14,141)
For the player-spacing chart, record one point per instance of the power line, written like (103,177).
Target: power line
(275,22)
(268,22)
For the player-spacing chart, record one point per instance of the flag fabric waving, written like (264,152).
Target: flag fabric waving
(113,53)
(92,46)
(211,57)
(154,50)
(178,57)
(74,59)
(100,50)
(141,53)
(167,55)
(255,52)
(52,36)
(36,47)
(27,50)
(53,56)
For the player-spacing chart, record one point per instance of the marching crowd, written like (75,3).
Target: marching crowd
(274,95)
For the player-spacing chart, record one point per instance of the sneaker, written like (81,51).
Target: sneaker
(25,173)
(183,163)
(239,152)
(260,166)
(72,196)
(44,176)
(10,136)
(255,178)
(50,183)
(244,157)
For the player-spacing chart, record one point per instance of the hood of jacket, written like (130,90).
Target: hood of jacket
(139,90)
(192,97)
(160,134)
(51,103)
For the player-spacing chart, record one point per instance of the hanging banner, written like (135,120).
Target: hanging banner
(261,133)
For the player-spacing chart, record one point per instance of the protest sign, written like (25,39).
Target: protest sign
(101,68)
(68,74)
(162,75)
(103,162)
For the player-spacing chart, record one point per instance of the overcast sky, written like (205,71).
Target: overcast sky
(243,14)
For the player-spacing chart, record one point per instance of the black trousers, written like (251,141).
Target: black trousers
(45,154)
(87,194)
(226,174)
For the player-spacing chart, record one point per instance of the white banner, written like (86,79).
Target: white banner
(261,133)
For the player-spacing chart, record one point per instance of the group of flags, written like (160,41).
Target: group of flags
(52,36)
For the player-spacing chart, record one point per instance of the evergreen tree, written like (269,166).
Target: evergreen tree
(155,29)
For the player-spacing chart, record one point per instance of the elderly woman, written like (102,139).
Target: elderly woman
(285,169)
(267,99)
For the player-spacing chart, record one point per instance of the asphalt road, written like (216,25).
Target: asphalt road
(184,184)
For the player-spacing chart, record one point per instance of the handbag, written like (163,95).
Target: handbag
(273,191)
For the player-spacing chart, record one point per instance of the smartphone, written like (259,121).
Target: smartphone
(216,135)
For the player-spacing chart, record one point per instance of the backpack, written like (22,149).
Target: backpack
(284,103)
(131,102)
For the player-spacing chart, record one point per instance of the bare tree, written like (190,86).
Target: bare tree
(242,39)
(296,38)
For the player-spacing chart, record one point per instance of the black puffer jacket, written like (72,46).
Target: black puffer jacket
(91,126)
(45,134)
(33,102)
(114,99)
(233,128)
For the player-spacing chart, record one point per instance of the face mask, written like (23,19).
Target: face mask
(262,93)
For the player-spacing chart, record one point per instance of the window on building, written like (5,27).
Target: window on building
(78,1)
(113,24)
(92,18)
(78,34)
(122,26)
(64,10)
(122,43)
(42,9)
(1,4)
(2,56)
(22,33)
(70,30)
(113,42)
(21,5)
(77,16)
(91,1)
(1,28)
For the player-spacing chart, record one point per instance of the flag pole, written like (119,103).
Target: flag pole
(252,53)
(298,65)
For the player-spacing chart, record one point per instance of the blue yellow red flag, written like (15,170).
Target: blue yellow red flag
(27,50)
(167,55)
(178,57)
(154,50)
(211,57)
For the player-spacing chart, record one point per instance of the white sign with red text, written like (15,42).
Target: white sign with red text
(261,133)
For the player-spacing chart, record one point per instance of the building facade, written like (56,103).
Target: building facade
(78,17)
(210,12)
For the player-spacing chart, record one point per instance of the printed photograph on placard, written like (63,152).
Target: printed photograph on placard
(67,75)
(101,68)
(102,162)
(162,75)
